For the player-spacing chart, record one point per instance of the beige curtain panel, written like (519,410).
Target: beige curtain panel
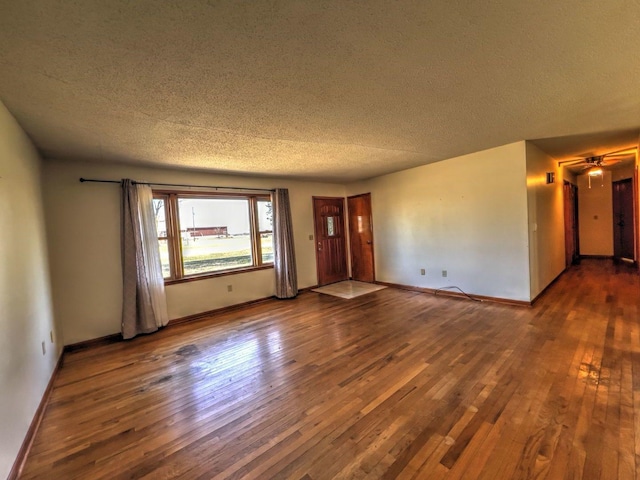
(284,260)
(144,306)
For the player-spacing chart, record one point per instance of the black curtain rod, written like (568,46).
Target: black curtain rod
(82,180)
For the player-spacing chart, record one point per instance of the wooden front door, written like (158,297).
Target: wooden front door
(331,256)
(571,238)
(361,237)
(623,221)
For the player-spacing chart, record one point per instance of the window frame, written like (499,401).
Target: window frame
(173,233)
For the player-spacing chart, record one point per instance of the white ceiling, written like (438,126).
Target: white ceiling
(329,90)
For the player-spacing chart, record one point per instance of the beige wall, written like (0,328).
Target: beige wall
(26,316)
(84,232)
(595,212)
(622,173)
(568,176)
(546,219)
(466,215)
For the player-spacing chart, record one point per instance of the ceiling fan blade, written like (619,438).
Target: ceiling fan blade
(611,161)
(570,163)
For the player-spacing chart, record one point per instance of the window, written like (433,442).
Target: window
(203,235)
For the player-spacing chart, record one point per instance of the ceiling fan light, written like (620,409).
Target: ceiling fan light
(594,172)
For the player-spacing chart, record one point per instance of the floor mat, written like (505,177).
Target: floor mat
(348,289)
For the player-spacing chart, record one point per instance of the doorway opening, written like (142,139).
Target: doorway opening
(623,221)
(571,226)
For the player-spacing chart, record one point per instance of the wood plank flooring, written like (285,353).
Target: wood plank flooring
(393,384)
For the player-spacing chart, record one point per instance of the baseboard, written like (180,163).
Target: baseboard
(21,458)
(94,342)
(307,289)
(447,293)
(230,308)
(216,311)
(601,257)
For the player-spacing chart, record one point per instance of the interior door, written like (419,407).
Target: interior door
(331,257)
(571,231)
(361,237)
(623,221)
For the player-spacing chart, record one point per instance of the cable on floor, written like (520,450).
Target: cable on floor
(460,290)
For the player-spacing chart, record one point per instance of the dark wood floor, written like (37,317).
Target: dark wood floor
(393,384)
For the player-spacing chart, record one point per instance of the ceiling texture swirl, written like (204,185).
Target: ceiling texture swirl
(335,91)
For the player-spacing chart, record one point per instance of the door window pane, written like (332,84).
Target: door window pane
(330,227)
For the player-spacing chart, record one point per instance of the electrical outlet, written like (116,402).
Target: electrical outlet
(229,288)
(423,271)
(44,348)
(51,335)
(444,273)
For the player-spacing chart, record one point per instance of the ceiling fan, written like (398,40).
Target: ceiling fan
(589,161)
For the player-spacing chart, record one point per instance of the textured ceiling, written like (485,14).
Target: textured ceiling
(329,90)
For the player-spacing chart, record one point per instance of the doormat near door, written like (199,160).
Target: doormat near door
(348,289)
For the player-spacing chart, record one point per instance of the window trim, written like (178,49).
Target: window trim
(174,243)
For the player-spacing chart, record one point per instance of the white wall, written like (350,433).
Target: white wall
(595,215)
(26,315)
(84,244)
(546,219)
(466,215)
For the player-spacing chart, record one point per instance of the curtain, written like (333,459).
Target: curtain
(284,258)
(144,306)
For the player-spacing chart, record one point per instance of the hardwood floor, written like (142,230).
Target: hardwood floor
(392,384)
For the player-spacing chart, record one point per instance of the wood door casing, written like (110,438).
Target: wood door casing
(330,238)
(361,237)
(623,219)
